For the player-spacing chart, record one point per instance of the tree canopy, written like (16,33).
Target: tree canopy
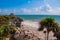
(48,23)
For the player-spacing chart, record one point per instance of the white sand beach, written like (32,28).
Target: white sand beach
(30,23)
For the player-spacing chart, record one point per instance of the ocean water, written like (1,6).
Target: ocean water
(39,17)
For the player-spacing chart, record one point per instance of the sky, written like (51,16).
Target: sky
(30,7)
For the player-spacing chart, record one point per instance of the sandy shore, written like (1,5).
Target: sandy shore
(31,23)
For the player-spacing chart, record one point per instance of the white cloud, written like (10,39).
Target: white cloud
(6,10)
(0,10)
(36,10)
(47,9)
(55,11)
(14,10)
(25,10)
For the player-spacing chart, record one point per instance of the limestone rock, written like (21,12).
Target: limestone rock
(26,33)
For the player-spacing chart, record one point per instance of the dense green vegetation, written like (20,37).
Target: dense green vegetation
(5,27)
(51,25)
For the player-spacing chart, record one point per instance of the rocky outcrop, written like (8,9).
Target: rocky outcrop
(26,33)
(29,33)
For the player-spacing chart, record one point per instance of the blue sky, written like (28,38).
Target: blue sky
(29,7)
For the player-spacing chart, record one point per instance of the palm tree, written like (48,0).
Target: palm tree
(48,23)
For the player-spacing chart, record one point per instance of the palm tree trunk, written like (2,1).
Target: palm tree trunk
(47,35)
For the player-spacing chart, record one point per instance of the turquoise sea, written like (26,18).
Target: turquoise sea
(39,17)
